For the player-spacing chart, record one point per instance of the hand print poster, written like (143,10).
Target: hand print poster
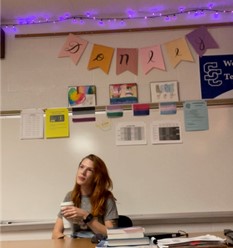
(164,91)
(82,96)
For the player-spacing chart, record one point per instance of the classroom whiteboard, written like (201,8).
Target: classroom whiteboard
(194,176)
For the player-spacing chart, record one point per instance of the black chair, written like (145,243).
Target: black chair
(124,221)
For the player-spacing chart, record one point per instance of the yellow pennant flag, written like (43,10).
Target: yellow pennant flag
(178,51)
(101,57)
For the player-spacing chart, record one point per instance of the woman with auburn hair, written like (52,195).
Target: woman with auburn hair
(94,207)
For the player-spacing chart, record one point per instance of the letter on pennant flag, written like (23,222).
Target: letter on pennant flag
(73,48)
(178,51)
(127,60)
(101,57)
(201,40)
(151,57)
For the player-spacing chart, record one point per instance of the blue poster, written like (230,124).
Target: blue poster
(196,115)
(216,75)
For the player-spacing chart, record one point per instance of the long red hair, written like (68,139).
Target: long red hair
(102,184)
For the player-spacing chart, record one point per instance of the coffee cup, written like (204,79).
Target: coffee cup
(66,204)
(63,205)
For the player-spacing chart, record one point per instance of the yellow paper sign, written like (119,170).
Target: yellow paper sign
(57,123)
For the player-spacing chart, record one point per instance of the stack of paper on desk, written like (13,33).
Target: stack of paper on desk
(206,241)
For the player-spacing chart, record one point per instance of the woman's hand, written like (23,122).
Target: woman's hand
(74,214)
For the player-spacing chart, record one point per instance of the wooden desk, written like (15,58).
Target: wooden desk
(66,243)
(52,243)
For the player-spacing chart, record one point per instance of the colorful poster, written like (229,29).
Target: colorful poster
(123,93)
(216,76)
(82,96)
(57,123)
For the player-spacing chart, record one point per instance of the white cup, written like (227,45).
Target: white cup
(66,223)
(66,204)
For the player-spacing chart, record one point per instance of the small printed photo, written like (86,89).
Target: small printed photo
(82,96)
(123,93)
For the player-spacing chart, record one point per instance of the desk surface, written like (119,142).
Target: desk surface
(53,243)
(66,243)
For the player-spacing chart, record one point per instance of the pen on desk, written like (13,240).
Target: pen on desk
(6,222)
(158,236)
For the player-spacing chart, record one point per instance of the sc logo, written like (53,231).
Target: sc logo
(212,73)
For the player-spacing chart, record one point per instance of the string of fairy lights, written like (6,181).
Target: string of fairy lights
(101,21)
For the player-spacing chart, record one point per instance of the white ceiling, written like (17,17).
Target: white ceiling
(51,10)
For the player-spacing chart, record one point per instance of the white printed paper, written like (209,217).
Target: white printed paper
(165,132)
(32,124)
(131,133)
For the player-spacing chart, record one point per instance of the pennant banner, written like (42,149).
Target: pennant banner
(127,60)
(201,40)
(178,50)
(151,57)
(73,48)
(101,57)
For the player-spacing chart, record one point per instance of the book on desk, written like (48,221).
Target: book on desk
(127,236)
(125,232)
(131,242)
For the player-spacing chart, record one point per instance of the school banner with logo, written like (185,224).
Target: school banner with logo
(216,76)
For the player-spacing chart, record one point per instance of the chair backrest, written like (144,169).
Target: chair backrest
(124,221)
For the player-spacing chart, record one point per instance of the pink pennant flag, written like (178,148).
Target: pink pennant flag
(178,51)
(201,40)
(127,60)
(73,48)
(151,57)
